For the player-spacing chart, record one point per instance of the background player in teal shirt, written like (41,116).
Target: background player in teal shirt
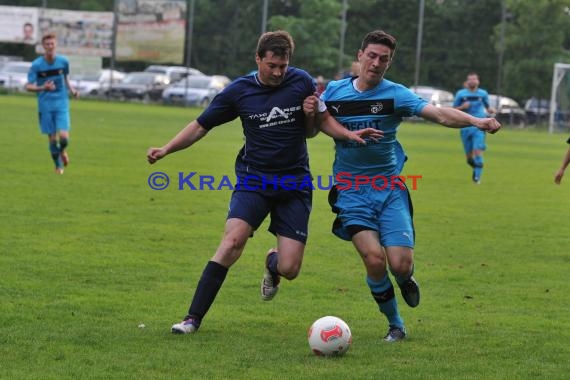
(378,220)
(49,78)
(474,101)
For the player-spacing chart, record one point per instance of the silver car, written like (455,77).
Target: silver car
(196,90)
(14,75)
(96,83)
(435,96)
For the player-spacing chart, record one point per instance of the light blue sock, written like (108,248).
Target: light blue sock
(478,169)
(383,293)
(54,150)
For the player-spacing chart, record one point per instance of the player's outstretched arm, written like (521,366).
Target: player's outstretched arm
(453,118)
(185,138)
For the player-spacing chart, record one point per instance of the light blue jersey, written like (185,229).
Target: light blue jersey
(42,71)
(387,210)
(478,101)
(381,108)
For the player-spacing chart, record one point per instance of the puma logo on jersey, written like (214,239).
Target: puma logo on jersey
(336,108)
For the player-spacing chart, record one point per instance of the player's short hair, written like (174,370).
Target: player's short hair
(48,36)
(280,43)
(379,37)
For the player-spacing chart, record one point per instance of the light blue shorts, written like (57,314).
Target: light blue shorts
(54,121)
(389,212)
(473,139)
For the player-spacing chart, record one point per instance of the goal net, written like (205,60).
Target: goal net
(559,113)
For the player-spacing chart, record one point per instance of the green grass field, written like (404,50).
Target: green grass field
(87,257)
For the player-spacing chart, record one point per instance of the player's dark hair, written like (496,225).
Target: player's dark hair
(280,43)
(48,36)
(379,37)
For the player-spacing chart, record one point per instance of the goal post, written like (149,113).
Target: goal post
(559,114)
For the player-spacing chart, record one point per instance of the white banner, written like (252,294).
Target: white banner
(18,24)
(78,32)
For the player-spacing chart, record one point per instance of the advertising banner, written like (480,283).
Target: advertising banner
(19,25)
(151,30)
(78,32)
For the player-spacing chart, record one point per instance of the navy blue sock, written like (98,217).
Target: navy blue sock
(54,150)
(210,283)
(271,263)
(63,142)
(383,293)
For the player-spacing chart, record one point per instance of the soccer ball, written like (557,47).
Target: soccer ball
(329,336)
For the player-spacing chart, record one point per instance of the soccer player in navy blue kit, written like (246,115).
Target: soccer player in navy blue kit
(49,78)
(560,173)
(375,217)
(269,103)
(474,101)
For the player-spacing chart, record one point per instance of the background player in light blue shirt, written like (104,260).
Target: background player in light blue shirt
(49,78)
(378,219)
(474,101)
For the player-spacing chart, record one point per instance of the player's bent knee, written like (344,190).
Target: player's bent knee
(291,272)
(375,264)
(402,268)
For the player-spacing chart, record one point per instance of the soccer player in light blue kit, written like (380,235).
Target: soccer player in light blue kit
(378,218)
(49,78)
(474,101)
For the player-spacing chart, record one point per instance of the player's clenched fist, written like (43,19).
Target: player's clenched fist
(311,105)
(155,154)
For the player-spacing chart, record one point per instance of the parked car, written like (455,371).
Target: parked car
(96,83)
(537,110)
(199,90)
(140,85)
(435,96)
(508,110)
(174,73)
(14,75)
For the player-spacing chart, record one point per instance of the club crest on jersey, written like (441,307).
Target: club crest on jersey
(376,108)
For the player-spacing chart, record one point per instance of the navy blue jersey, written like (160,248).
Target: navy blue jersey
(273,123)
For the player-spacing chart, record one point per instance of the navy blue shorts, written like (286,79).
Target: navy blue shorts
(289,210)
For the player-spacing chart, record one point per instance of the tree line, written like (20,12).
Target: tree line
(512,51)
